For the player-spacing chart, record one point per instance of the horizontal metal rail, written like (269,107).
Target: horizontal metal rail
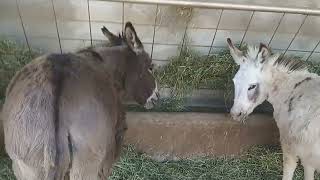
(216,5)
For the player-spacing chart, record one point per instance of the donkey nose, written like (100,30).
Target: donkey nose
(235,113)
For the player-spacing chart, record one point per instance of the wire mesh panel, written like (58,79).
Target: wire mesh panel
(163,25)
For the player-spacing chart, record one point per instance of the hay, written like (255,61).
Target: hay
(12,58)
(191,71)
(260,163)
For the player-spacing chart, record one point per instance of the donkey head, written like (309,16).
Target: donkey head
(249,83)
(140,83)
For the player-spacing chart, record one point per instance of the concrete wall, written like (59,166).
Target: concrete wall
(172,136)
(66,25)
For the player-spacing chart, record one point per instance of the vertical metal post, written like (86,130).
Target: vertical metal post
(56,22)
(154,30)
(295,35)
(245,33)
(22,24)
(215,33)
(184,35)
(275,31)
(315,47)
(89,17)
(123,16)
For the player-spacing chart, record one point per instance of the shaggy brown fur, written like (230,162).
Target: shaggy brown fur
(63,116)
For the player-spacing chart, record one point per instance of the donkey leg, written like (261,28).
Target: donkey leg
(109,160)
(106,170)
(16,170)
(24,172)
(64,157)
(289,165)
(85,164)
(308,171)
(85,169)
(93,164)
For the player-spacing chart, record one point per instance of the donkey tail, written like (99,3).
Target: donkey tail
(60,63)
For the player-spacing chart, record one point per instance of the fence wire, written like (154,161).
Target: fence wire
(202,4)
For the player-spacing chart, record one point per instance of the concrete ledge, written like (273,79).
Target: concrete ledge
(170,136)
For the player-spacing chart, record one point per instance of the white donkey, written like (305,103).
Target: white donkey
(294,94)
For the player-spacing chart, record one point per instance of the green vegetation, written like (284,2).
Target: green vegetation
(192,71)
(260,163)
(12,58)
(6,172)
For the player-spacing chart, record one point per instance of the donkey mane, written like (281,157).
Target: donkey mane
(285,63)
(104,44)
(91,49)
(252,52)
(290,64)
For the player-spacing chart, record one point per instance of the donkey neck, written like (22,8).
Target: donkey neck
(280,84)
(115,61)
(281,87)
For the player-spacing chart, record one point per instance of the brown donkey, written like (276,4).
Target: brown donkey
(63,116)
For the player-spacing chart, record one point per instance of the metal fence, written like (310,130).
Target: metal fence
(65,25)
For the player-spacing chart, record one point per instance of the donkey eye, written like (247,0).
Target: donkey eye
(252,86)
(151,67)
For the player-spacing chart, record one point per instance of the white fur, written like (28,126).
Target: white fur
(150,101)
(298,119)
(25,171)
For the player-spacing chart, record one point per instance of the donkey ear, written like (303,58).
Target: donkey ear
(113,39)
(264,52)
(132,38)
(235,52)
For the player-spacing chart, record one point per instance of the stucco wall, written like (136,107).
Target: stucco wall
(65,25)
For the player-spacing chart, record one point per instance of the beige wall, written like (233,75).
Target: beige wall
(284,3)
(66,27)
